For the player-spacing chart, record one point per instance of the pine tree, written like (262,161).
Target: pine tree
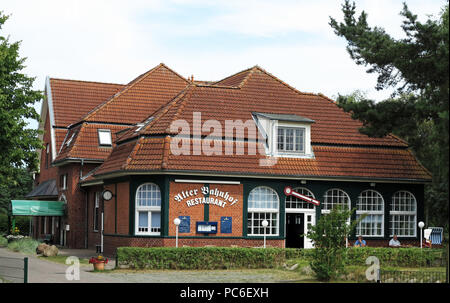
(417,67)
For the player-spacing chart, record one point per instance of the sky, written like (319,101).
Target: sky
(115,41)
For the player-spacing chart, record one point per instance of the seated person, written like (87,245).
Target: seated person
(360,242)
(394,242)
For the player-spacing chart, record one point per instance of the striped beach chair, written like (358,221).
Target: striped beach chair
(436,235)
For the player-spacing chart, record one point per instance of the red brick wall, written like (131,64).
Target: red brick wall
(177,209)
(196,212)
(123,208)
(76,203)
(50,172)
(110,212)
(234,211)
(93,236)
(123,201)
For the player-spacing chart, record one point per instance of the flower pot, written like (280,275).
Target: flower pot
(99,266)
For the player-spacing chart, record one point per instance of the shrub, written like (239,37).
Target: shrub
(407,257)
(328,258)
(3,241)
(238,257)
(25,245)
(200,257)
(22,224)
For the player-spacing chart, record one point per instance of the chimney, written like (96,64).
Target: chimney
(192,78)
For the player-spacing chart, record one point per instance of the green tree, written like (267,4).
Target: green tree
(417,67)
(18,144)
(329,235)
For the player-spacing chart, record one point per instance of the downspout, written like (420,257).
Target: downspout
(86,213)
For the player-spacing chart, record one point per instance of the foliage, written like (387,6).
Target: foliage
(328,235)
(200,257)
(17,143)
(26,245)
(22,223)
(21,183)
(406,257)
(210,258)
(3,241)
(417,66)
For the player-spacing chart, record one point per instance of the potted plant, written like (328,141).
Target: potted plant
(98,262)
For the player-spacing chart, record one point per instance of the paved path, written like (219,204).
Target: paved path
(43,271)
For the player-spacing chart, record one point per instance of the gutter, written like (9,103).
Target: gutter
(121,173)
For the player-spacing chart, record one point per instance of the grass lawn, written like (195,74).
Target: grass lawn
(62,259)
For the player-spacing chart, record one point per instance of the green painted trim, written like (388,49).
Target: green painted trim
(206,211)
(206,206)
(192,237)
(131,208)
(317,187)
(165,207)
(115,208)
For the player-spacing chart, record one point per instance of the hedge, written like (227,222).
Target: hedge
(200,257)
(240,257)
(406,257)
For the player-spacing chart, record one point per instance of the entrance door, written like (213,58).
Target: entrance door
(295,226)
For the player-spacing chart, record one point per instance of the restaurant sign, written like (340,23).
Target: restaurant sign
(205,195)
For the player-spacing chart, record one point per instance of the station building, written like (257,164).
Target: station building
(125,160)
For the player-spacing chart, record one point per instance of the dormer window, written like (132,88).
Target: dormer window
(291,139)
(287,135)
(104,137)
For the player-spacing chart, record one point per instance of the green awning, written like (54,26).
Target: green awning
(37,208)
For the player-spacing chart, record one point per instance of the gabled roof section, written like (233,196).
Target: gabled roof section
(264,93)
(340,150)
(140,97)
(72,99)
(236,80)
(81,142)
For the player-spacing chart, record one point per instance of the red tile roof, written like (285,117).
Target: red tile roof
(143,95)
(140,97)
(154,154)
(262,92)
(84,143)
(340,149)
(72,99)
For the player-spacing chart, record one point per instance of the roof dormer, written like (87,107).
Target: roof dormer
(287,135)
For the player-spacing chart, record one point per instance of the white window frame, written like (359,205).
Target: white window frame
(327,211)
(403,213)
(64,181)
(149,210)
(370,212)
(100,138)
(265,211)
(292,199)
(294,138)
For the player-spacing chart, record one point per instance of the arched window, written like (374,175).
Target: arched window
(334,197)
(148,209)
(370,202)
(263,204)
(296,203)
(403,214)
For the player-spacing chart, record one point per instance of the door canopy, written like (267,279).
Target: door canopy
(37,208)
